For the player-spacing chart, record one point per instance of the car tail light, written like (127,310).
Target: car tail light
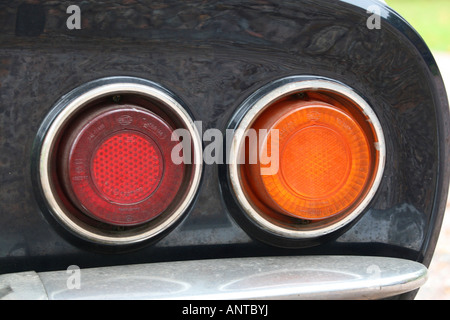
(325,160)
(105,161)
(116,165)
(328,147)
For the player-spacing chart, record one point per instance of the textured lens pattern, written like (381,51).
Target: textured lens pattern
(117,166)
(315,162)
(324,155)
(325,163)
(127,167)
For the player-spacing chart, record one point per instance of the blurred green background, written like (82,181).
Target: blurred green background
(431,18)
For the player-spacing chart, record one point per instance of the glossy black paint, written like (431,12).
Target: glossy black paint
(214,55)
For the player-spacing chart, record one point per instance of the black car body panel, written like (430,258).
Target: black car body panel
(214,55)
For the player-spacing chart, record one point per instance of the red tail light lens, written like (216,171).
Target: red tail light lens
(117,167)
(105,161)
(127,167)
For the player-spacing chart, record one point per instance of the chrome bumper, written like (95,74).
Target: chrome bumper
(305,277)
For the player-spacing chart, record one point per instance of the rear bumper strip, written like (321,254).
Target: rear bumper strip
(304,277)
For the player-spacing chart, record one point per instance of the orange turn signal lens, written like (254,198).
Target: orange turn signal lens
(327,159)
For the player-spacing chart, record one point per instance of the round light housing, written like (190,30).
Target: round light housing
(105,163)
(326,150)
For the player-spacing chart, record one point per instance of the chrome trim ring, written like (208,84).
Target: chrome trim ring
(95,90)
(255,105)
